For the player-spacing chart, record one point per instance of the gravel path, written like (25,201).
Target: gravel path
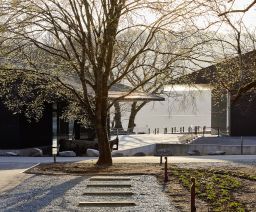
(63,193)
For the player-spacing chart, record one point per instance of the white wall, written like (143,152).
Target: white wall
(186,109)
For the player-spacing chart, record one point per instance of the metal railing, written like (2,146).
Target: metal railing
(196,130)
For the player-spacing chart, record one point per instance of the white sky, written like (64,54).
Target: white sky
(249,16)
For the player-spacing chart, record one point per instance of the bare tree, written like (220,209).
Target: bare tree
(234,57)
(86,47)
(231,10)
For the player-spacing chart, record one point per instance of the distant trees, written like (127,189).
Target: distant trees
(77,50)
(234,53)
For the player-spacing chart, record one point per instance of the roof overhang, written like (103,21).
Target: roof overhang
(134,96)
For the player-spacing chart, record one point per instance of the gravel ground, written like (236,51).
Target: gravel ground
(63,193)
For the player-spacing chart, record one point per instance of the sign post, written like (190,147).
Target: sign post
(54,132)
(54,149)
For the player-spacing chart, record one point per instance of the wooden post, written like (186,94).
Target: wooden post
(193,195)
(165,171)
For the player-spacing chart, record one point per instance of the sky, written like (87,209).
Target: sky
(249,16)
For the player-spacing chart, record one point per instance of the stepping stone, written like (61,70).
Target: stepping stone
(107,204)
(108,185)
(106,178)
(109,193)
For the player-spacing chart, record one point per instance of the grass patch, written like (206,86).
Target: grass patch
(215,188)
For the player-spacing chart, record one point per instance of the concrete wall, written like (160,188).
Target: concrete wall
(148,150)
(183,149)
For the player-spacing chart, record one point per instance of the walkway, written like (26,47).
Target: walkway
(66,193)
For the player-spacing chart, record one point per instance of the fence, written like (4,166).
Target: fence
(196,130)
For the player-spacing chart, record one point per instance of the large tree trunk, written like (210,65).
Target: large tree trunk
(134,110)
(117,117)
(131,123)
(105,157)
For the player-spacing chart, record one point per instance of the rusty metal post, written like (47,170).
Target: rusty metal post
(193,195)
(165,171)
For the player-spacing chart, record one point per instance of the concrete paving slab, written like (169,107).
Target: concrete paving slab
(108,204)
(109,185)
(107,178)
(11,178)
(99,193)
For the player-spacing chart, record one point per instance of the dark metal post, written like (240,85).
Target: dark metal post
(218,132)
(172,130)
(161,160)
(193,195)
(148,130)
(165,171)
(204,128)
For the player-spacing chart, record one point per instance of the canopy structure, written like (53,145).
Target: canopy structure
(134,96)
(123,92)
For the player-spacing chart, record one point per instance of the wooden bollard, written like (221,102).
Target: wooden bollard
(165,171)
(193,195)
